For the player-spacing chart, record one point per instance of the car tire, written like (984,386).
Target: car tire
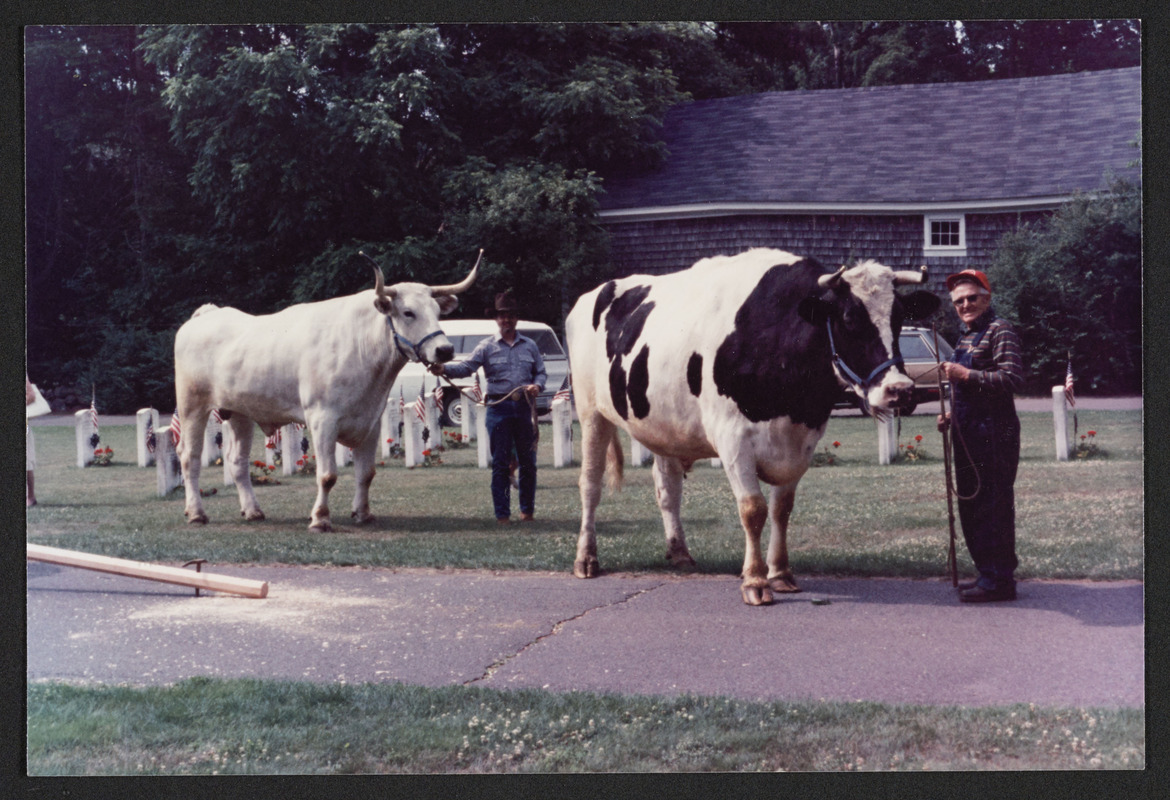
(452,408)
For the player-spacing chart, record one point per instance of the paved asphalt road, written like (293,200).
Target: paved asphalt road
(1064,643)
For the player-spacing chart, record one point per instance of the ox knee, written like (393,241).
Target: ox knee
(753,513)
(328,481)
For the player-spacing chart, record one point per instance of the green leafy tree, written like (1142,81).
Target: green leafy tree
(1073,284)
(173,166)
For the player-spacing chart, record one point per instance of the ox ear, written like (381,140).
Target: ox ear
(447,303)
(383,303)
(814,310)
(920,304)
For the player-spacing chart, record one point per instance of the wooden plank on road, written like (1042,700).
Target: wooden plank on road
(150,572)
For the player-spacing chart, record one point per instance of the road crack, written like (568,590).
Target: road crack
(557,627)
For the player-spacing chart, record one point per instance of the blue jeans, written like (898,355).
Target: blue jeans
(509,427)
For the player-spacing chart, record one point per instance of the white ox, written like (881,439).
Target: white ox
(737,357)
(328,365)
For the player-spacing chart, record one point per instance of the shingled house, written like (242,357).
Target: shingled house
(907,175)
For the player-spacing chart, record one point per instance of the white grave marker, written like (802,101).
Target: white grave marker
(391,424)
(85,431)
(167,468)
(290,450)
(467,423)
(887,439)
(562,425)
(482,445)
(146,426)
(412,443)
(1060,422)
(229,442)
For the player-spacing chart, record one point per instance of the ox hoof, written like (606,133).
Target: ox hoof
(682,561)
(197,519)
(321,527)
(783,583)
(757,595)
(254,514)
(587,567)
(362,519)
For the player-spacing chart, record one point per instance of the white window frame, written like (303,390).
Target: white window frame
(957,251)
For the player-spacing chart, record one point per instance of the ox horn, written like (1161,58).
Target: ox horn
(380,289)
(907,276)
(462,286)
(831,281)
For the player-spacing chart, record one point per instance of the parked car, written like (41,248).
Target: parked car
(917,347)
(464,335)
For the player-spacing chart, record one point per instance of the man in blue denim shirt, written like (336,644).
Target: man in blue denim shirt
(515,376)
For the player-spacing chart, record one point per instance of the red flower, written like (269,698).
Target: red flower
(1092,433)
(258,464)
(918,438)
(300,462)
(909,447)
(271,445)
(836,444)
(1082,437)
(426,452)
(390,441)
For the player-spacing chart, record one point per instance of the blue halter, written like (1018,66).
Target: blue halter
(853,378)
(400,340)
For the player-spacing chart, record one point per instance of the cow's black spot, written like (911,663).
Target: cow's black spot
(695,374)
(623,324)
(604,298)
(774,363)
(617,387)
(639,383)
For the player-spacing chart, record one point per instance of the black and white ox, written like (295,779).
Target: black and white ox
(328,365)
(738,357)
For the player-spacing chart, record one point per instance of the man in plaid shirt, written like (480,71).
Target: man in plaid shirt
(984,376)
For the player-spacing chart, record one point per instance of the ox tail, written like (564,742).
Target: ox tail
(615,463)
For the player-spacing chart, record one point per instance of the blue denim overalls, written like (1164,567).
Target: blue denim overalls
(986,444)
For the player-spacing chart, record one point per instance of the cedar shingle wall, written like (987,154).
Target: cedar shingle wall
(663,246)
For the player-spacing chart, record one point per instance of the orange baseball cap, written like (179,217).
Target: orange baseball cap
(968,275)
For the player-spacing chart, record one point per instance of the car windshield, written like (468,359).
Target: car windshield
(914,346)
(546,342)
(917,347)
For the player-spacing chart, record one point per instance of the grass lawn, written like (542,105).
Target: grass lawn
(204,726)
(1075,519)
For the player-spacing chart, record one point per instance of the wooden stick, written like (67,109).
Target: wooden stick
(952,562)
(150,572)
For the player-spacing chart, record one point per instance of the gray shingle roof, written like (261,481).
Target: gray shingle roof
(919,143)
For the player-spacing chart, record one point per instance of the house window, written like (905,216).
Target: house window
(945,235)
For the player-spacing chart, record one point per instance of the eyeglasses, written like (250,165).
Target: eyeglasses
(971,298)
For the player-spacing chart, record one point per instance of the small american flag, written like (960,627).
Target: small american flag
(476,392)
(401,402)
(438,394)
(150,444)
(93,415)
(420,406)
(176,428)
(1068,386)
